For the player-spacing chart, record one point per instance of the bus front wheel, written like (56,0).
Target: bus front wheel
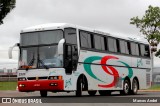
(43,93)
(79,88)
(92,93)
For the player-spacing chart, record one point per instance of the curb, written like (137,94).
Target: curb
(148,90)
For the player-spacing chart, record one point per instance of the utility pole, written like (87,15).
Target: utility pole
(152,65)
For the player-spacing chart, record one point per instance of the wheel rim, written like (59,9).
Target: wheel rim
(135,87)
(126,88)
(81,86)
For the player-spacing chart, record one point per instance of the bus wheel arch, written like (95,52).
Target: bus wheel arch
(82,84)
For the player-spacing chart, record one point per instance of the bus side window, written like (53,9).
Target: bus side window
(122,46)
(134,49)
(144,49)
(85,39)
(147,52)
(99,42)
(112,44)
(70,35)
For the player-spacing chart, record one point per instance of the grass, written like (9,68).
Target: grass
(8,85)
(155,87)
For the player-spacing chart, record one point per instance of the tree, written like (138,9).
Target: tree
(5,7)
(149,25)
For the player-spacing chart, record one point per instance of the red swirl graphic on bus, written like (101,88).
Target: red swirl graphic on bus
(113,72)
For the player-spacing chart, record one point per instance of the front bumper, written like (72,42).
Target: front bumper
(37,85)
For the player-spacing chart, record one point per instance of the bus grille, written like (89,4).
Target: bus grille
(148,79)
(39,78)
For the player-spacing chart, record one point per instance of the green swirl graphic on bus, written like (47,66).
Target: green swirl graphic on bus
(103,62)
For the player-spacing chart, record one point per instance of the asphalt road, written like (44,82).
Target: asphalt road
(72,94)
(60,97)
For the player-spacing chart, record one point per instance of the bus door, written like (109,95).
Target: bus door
(71,51)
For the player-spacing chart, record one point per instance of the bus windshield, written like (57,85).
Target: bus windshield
(41,53)
(38,38)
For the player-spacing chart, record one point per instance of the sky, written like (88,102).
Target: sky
(111,16)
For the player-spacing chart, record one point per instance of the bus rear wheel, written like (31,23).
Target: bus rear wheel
(43,93)
(126,88)
(104,92)
(92,93)
(134,87)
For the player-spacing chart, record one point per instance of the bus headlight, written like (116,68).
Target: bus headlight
(55,78)
(22,79)
(21,85)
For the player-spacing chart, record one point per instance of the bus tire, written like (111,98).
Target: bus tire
(92,93)
(104,92)
(79,88)
(43,93)
(134,87)
(126,87)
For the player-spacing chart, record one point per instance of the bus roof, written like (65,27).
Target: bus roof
(52,26)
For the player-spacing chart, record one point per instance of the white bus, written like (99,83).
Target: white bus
(62,57)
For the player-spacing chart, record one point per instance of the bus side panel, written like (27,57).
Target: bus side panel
(142,71)
(104,71)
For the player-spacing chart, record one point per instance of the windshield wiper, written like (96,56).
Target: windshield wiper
(31,62)
(40,61)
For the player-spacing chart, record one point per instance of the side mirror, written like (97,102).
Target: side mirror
(60,46)
(10,50)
